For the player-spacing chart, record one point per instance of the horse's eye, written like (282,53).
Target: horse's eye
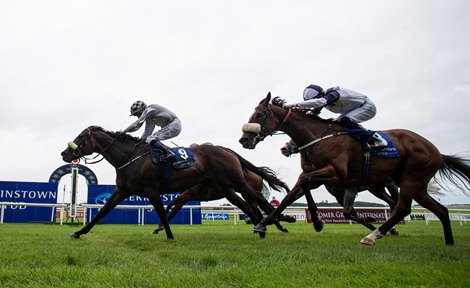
(259,116)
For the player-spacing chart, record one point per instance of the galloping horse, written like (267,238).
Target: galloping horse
(345,197)
(332,158)
(136,174)
(203,192)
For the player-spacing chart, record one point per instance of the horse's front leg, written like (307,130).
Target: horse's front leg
(157,203)
(313,180)
(313,209)
(176,204)
(115,199)
(350,213)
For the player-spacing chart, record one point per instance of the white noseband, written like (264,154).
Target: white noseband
(251,127)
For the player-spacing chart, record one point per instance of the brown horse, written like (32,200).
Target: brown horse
(346,197)
(330,157)
(204,192)
(136,174)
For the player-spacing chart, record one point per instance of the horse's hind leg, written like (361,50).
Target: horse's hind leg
(440,211)
(402,209)
(233,198)
(391,200)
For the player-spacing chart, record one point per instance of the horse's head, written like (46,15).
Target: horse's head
(84,144)
(262,123)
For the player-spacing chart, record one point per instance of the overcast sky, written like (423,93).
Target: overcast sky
(66,65)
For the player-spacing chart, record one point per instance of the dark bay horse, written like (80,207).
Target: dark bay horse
(136,174)
(329,157)
(203,192)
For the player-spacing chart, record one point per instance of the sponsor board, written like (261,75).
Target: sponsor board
(99,194)
(27,192)
(335,215)
(214,216)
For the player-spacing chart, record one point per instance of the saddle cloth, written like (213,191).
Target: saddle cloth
(184,157)
(390,151)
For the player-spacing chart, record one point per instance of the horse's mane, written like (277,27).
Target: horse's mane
(126,136)
(118,134)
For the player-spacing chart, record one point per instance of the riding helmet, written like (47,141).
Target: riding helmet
(312,91)
(137,106)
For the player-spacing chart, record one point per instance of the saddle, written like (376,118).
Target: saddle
(184,157)
(389,151)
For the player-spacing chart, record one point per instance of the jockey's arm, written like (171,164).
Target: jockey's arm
(312,103)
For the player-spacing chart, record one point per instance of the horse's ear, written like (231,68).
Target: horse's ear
(268,98)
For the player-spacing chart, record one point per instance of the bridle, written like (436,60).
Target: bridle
(77,149)
(260,128)
(261,133)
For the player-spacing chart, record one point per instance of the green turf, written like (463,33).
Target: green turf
(220,254)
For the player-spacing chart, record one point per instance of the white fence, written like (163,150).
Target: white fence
(461,215)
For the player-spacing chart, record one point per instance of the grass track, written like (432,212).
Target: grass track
(220,254)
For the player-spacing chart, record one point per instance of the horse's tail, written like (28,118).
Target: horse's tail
(457,171)
(264,172)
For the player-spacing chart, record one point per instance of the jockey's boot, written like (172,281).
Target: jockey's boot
(348,123)
(166,150)
(377,142)
(168,153)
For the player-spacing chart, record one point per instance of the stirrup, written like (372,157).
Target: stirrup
(168,155)
(377,142)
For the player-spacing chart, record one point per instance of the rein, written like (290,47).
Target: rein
(78,148)
(136,158)
(320,139)
(289,112)
(99,153)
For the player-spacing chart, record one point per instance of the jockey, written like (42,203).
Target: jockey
(352,106)
(155,115)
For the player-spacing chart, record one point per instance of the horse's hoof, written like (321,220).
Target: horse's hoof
(157,230)
(262,235)
(288,219)
(75,236)
(370,220)
(284,230)
(368,241)
(393,231)
(318,225)
(260,228)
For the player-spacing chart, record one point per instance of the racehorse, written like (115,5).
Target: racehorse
(330,157)
(136,174)
(203,192)
(346,197)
